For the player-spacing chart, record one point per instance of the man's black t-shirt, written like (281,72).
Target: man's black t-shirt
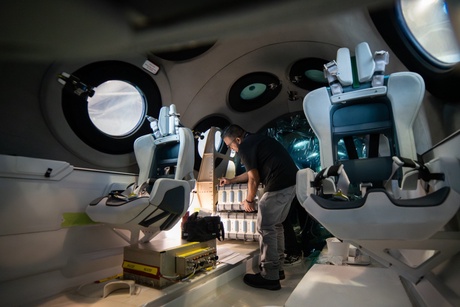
(276,168)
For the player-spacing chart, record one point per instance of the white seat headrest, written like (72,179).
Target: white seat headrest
(364,62)
(163,121)
(344,72)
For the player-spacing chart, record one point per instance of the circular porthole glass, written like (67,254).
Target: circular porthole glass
(428,26)
(315,75)
(113,117)
(203,139)
(201,131)
(253,91)
(308,73)
(117,108)
(423,43)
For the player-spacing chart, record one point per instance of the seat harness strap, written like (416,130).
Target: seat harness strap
(330,72)
(381,59)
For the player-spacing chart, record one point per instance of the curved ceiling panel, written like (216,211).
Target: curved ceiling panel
(237,80)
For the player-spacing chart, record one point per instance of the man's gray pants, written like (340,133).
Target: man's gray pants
(273,208)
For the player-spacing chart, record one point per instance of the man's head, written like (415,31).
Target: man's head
(233,136)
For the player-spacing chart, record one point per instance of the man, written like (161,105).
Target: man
(268,162)
(292,247)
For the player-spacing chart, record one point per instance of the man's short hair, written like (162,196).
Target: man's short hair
(233,131)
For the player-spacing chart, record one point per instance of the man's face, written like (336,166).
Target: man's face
(232,143)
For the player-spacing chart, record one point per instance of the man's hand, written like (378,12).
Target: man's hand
(223,181)
(249,207)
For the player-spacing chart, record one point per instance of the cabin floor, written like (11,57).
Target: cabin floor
(341,285)
(224,285)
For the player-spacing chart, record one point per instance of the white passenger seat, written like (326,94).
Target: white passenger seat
(379,111)
(162,194)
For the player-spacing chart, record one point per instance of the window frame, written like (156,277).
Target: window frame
(75,108)
(439,81)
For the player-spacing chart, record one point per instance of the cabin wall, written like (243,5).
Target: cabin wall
(444,117)
(23,129)
(48,243)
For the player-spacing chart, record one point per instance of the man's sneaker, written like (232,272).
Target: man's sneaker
(257,281)
(292,259)
(282,275)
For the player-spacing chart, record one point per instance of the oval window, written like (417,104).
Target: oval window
(253,91)
(421,36)
(201,129)
(429,27)
(114,116)
(117,108)
(308,73)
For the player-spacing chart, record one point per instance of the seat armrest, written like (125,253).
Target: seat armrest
(304,180)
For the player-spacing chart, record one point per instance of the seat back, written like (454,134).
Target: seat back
(364,117)
(168,152)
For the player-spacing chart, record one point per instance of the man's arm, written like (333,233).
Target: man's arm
(253,185)
(238,179)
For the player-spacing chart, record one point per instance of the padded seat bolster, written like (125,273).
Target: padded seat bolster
(433,199)
(304,188)
(380,218)
(430,200)
(173,200)
(337,204)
